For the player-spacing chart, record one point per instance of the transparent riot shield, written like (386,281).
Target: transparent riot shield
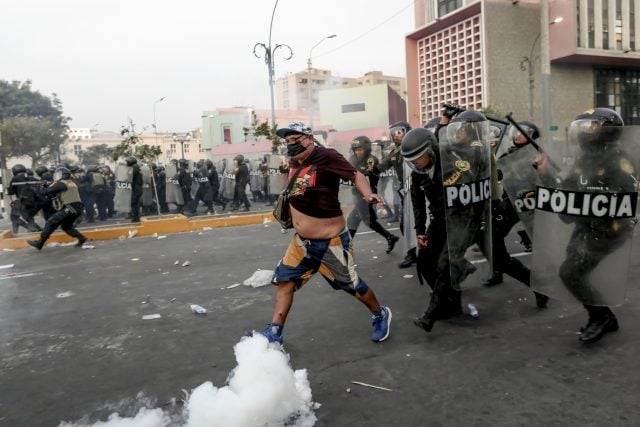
(228,181)
(173,193)
(256,181)
(408,222)
(122,197)
(584,219)
(466,170)
(519,179)
(278,174)
(147,190)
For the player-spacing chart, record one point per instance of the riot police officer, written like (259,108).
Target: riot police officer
(136,188)
(185,181)
(394,160)
(68,205)
(242,179)
(22,209)
(604,169)
(366,163)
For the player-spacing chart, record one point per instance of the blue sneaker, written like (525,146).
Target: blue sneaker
(273,332)
(381,324)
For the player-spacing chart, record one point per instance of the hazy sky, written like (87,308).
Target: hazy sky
(111,59)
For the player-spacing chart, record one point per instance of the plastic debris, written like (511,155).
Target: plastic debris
(371,386)
(176,263)
(198,309)
(408,276)
(173,299)
(259,278)
(132,233)
(135,259)
(207,228)
(235,285)
(2,267)
(473,311)
(8,250)
(186,264)
(66,294)
(161,237)
(375,257)
(86,246)
(151,316)
(348,390)
(146,300)
(54,245)
(166,272)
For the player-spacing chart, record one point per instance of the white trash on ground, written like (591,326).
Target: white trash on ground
(259,278)
(151,316)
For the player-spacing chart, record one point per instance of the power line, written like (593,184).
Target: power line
(367,32)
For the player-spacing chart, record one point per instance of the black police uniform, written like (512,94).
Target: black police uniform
(136,192)
(69,209)
(240,190)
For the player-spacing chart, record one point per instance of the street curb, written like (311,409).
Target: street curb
(168,224)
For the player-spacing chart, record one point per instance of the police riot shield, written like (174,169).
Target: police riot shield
(585,213)
(122,197)
(229,180)
(193,174)
(466,173)
(256,181)
(147,190)
(519,179)
(278,174)
(173,193)
(408,222)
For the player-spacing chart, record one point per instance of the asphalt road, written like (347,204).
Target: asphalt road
(73,342)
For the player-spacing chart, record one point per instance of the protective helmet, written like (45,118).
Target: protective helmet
(19,168)
(398,130)
(239,158)
(41,170)
(597,125)
(468,127)
(72,169)
(361,142)
(417,142)
(208,164)
(29,172)
(61,173)
(432,124)
(130,161)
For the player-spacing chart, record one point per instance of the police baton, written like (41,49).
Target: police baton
(530,140)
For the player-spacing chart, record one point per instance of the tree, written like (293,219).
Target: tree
(263,129)
(132,146)
(96,154)
(31,124)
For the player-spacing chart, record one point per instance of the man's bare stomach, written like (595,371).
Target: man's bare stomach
(311,227)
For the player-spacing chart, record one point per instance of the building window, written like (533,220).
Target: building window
(226,134)
(200,150)
(352,108)
(619,89)
(186,148)
(77,149)
(448,6)
(172,149)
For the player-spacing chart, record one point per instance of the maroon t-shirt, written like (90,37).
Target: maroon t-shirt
(315,192)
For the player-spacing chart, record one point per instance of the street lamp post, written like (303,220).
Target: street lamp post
(309,81)
(181,139)
(268,59)
(155,125)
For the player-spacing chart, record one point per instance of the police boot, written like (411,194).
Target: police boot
(409,259)
(391,242)
(81,241)
(601,321)
(38,244)
(495,279)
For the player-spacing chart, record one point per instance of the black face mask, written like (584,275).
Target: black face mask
(295,149)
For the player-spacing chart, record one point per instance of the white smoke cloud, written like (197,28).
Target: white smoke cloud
(262,390)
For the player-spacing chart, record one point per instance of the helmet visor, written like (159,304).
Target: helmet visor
(514,133)
(57,176)
(397,132)
(584,130)
(467,133)
(420,164)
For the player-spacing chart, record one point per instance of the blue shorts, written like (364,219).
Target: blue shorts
(332,258)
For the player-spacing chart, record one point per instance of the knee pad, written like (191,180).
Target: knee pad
(362,288)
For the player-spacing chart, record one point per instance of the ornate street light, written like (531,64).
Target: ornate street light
(181,139)
(269,53)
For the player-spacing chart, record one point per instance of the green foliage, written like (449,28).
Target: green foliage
(491,111)
(263,129)
(96,154)
(31,124)
(132,146)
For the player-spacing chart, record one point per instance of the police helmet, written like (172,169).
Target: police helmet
(417,142)
(29,172)
(432,124)
(130,161)
(597,125)
(398,130)
(361,142)
(41,170)
(468,126)
(208,164)
(61,173)
(239,158)
(19,168)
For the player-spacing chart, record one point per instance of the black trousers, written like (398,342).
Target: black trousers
(64,219)
(364,211)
